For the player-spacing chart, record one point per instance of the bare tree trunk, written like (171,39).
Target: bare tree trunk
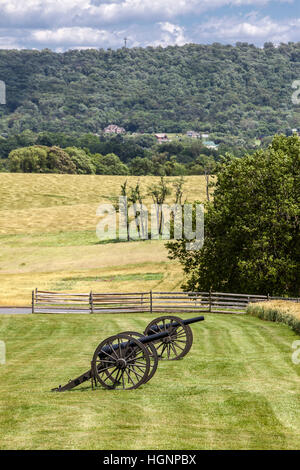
(207,185)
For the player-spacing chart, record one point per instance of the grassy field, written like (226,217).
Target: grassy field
(236,389)
(79,268)
(40,203)
(48,238)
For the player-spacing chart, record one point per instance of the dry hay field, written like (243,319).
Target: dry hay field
(289,308)
(48,237)
(279,311)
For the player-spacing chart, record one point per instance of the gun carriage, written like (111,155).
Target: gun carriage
(129,359)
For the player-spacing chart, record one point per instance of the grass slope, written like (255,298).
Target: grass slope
(115,267)
(236,389)
(48,234)
(39,203)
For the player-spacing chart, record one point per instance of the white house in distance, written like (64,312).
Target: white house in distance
(114,129)
(193,134)
(162,138)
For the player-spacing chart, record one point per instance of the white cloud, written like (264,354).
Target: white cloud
(64,24)
(76,37)
(171,34)
(249,29)
(162,34)
(103,12)
(7,42)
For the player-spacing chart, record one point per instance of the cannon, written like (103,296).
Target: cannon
(129,359)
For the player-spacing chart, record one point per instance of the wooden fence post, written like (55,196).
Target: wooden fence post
(209,308)
(151,301)
(91,302)
(32,302)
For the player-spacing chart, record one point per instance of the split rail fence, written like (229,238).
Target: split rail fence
(139,302)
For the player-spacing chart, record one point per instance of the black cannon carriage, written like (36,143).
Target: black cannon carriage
(129,359)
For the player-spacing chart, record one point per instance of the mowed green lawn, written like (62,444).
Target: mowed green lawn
(236,389)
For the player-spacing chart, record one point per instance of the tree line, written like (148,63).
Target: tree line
(73,160)
(240,91)
(113,155)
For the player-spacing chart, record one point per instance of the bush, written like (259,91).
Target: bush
(28,160)
(275,314)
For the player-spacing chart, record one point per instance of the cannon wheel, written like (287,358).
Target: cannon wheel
(177,344)
(123,364)
(152,351)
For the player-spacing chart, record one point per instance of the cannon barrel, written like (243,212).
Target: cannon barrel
(154,328)
(143,339)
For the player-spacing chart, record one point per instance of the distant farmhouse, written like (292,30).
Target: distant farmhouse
(162,138)
(197,135)
(193,134)
(113,129)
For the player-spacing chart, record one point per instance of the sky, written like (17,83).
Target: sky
(61,25)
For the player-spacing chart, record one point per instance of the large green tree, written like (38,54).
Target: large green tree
(109,164)
(28,160)
(81,160)
(40,159)
(252,226)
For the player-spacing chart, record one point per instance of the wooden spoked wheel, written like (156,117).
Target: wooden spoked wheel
(121,362)
(152,352)
(179,340)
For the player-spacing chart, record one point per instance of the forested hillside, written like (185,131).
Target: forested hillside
(237,90)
